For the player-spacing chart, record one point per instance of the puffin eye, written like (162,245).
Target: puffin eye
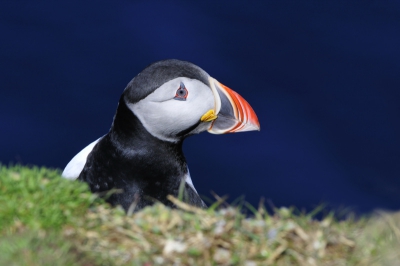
(181,93)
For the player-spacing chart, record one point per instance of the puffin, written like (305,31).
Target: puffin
(141,157)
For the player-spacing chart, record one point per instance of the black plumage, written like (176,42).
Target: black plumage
(141,155)
(129,158)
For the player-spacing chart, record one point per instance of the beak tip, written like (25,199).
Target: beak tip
(251,127)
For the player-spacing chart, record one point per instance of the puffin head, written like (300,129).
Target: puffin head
(174,99)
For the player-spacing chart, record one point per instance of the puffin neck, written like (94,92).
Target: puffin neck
(128,133)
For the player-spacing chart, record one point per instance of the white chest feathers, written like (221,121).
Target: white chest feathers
(75,166)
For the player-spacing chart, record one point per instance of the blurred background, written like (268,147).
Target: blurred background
(323,78)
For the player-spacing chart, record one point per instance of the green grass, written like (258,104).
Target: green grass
(39,198)
(47,220)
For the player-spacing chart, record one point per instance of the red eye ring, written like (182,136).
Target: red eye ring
(181,93)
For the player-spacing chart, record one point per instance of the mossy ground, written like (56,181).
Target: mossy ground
(47,220)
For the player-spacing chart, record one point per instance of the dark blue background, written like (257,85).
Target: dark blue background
(323,78)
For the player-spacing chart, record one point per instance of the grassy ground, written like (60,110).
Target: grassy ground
(47,220)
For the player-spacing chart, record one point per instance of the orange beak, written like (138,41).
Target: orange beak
(234,113)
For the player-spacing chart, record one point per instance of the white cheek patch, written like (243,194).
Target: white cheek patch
(75,166)
(164,117)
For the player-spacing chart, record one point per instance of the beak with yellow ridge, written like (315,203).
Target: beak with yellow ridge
(231,112)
